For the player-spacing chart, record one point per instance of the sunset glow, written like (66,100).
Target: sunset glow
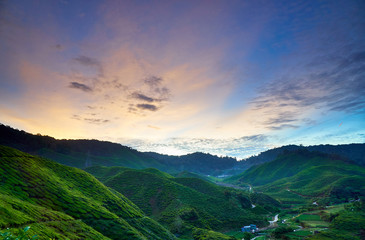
(225,77)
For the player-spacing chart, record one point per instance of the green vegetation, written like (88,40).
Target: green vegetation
(64,202)
(60,202)
(299,176)
(181,204)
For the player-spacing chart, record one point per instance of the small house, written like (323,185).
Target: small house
(251,228)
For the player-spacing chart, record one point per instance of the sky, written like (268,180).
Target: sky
(224,77)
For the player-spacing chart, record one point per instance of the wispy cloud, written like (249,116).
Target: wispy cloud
(335,85)
(238,147)
(87,61)
(142,97)
(96,120)
(80,86)
(153,81)
(91,62)
(149,107)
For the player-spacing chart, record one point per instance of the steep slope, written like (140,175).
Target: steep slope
(302,174)
(182,203)
(69,200)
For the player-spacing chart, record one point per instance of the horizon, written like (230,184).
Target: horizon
(225,78)
(223,156)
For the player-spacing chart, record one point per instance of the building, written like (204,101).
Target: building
(252,228)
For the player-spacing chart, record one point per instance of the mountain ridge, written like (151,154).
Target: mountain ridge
(86,153)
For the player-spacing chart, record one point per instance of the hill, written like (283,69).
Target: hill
(181,204)
(58,201)
(303,175)
(354,152)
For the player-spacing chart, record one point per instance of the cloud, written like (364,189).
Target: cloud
(151,91)
(96,120)
(330,83)
(236,147)
(80,86)
(149,107)
(153,127)
(283,126)
(142,97)
(87,61)
(153,81)
(90,62)
(156,86)
(253,138)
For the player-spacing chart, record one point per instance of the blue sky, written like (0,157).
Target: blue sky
(225,77)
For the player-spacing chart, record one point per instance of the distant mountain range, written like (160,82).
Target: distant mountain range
(86,153)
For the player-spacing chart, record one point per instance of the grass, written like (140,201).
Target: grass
(64,200)
(335,208)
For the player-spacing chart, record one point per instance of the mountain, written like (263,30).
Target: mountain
(182,204)
(58,201)
(300,175)
(86,153)
(354,152)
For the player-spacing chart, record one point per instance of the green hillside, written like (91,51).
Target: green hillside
(301,175)
(183,203)
(57,201)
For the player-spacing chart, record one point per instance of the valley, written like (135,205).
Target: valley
(301,194)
